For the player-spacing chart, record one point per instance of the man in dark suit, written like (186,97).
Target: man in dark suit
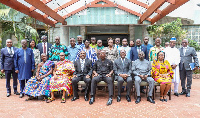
(186,54)
(103,70)
(44,46)
(7,66)
(122,69)
(83,71)
(138,48)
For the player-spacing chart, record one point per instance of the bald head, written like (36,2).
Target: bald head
(138,42)
(122,53)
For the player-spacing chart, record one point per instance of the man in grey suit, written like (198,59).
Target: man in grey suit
(186,54)
(142,70)
(7,66)
(83,71)
(122,69)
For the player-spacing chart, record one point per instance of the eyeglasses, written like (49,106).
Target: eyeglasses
(184,42)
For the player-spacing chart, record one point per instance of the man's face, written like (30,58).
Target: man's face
(79,39)
(102,55)
(93,40)
(184,43)
(87,44)
(44,39)
(57,40)
(72,42)
(141,56)
(138,42)
(166,44)
(146,40)
(157,42)
(44,58)
(82,55)
(9,43)
(24,44)
(99,43)
(62,56)
(117,41)
(124,42)
(123,53)
(172,44)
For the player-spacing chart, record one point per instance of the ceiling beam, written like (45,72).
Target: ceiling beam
(66,5)
(168,9)
(172,1)
(24,9)
(48,11)
(32,8)
(154,6)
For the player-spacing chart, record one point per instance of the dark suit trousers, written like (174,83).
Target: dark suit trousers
(22,85)
(120,81)
(99,78)
(75,80)
(183,74)
(8,76)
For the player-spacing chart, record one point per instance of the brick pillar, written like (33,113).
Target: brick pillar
(82,31)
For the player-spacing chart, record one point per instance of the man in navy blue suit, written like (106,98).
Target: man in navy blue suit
(7,66)
(138,48)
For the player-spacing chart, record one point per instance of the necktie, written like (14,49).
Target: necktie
(123,63)
(82,65)
(11,53)
(44,48)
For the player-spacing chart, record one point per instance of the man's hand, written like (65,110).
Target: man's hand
(2,71)
(17,71)
(74,76)
(55,77)
(145,76)
(32,70)
(87,76)
(195,68)
(95,75)
(141,76)
(173,66)
(108,75)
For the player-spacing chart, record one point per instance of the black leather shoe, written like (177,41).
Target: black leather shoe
(138,99)
(128,98)
(109,101)
(8,94)
(176,94)
(91,100)
(17,93)
(86,98)
(188,93)
(150,100)
(118,98)
(182,93)
(142,91)
(74,98)
(21,95)
(168,93)
(162,100)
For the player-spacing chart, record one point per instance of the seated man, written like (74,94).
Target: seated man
(122,69)
(103,70)
(83,71)
(142,70)
(61,80)
(39,85)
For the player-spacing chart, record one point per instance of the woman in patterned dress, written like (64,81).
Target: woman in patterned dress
(154,50)
(162,73)
(112,52)
(61,81)
(39,85)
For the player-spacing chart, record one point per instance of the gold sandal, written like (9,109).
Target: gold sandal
(50,100)
(63,100)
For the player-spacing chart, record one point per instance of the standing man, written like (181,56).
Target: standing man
(99,47)
(149,46)
(72,49)
(154,50)
(117,43)
(102,70)
(186,54)
(142,70)
(83,71)
(24,64)
(138,48)
(172,55)
(44,46)
(93,42)
(122,69)
(125,47)
(7,66)
(56,49)
(166,44)
(80,44)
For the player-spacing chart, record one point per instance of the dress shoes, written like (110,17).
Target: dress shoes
(86,98)
(176,94)
(8,94)
(118,98)
(182,93)
(74,98)
(150,100)
(91,100)
(188,93)
(142,91)
(162,100)
(138,99)
(128,98)
(21,95)
(109,101)
(17,93)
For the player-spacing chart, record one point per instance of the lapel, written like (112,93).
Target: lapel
(187,50)
(8,52)
(120,62)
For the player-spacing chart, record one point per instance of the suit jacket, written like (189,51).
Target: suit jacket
(87,68)
(39,46)
(120,69)
(134,53)
(187,59)
(7,62)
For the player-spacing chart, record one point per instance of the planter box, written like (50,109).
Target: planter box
(196,76)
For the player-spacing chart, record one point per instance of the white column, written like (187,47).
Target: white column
(64,35)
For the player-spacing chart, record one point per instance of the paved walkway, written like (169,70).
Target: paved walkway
(177,107)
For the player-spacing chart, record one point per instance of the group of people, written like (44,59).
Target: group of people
(44,68)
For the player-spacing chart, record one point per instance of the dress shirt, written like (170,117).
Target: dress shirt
(43,47)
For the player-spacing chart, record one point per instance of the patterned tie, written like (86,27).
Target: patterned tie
(82,65)
(44,48)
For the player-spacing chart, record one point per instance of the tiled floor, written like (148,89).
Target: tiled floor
(177,107)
